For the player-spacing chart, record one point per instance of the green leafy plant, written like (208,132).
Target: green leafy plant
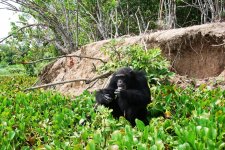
(151,61)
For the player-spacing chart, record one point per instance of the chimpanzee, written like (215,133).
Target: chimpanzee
(127,94)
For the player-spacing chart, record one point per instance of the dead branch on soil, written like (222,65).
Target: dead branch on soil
(50,58)
(87,81)
(219,45)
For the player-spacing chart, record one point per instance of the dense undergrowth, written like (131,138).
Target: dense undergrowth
(178,119)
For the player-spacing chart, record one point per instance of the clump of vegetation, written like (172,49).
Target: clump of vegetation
(151,61)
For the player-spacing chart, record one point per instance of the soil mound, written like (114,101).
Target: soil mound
(196,53)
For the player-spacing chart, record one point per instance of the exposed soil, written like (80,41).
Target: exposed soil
(197,56)
(194,51)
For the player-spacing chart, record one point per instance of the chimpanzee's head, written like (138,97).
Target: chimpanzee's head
(124,77)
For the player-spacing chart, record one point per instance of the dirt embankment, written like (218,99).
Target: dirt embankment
(197,55)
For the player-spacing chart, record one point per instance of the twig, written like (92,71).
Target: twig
(139,27)
(92,84)
(87,81)
(50,58)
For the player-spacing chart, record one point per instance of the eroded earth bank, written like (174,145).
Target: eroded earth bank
(196,54)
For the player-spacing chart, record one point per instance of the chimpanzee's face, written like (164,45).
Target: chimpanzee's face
(122,81)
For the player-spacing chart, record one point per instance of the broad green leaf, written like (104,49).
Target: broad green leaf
(11,135)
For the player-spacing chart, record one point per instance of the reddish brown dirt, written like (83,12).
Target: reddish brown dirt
(197,56)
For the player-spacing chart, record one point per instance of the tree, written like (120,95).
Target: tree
(210,10)
(56,16)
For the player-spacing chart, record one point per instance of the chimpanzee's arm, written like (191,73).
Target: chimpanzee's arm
(105,96)
(135,97)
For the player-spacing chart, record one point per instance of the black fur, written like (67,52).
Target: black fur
(130,102)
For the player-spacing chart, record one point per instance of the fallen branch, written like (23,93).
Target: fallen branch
(87,81)
(50,58)
(218,45)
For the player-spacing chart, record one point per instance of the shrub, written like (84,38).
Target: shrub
(151,61)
